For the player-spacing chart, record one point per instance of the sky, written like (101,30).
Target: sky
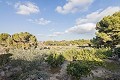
(55,19)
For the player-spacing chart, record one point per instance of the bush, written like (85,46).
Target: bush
(104,53)
(33,75)
(117,51)
(5,58)
(77,69)
(55,60)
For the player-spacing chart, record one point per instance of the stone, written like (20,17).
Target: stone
(2,73)
(8,74)
(119,59)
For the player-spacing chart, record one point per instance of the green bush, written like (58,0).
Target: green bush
(5,58)
(55,60)
(117,51)
(77,69)
(92,54)
(82,54)
(104,53)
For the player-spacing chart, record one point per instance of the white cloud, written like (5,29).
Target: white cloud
(83,28)
(97,15)
(26,8)
(40,21)
(88,24)
(56,34)
(73,6)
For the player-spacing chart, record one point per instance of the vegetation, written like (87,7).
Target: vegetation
(77,70)
(23,61)
(18,40)
(88,54)
(4,59)
(35,65)
(55,60)
(80,42)
(117,51)
(34,75)
(108,31)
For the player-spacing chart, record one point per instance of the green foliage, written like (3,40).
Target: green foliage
(18,40)
(5,39)
(70,54)
(31,61)
(67,43)
(117,51)
(108,30)
(82,54)
(77,69)
(91,57)
(55,60)
(4,58)
(104,53)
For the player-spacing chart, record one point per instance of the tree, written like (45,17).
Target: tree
(5,39)
(108,30)
(23,40)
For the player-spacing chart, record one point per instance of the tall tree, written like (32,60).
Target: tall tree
(109,30)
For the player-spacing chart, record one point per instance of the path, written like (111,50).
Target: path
(62,74)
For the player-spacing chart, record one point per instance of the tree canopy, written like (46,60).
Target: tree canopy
(108,31)
(23,40)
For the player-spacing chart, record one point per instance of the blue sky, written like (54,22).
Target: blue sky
(55,19)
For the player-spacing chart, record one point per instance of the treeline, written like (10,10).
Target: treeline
(23,40)
(79,42)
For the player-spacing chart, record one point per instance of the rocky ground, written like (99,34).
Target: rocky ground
(99,73)
(110,72)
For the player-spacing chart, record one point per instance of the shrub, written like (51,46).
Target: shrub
(77,69)
(71,54)
(33,75)
(55,60)
(104,53)
(5,58)
(117,51)
(60,59)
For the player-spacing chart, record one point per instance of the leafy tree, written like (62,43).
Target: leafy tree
(108,30)
(23,40)
(5,39)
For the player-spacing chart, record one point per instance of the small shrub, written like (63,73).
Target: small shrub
(104,53)
(60,59)
(55,60)
(77,69)
(117,51)
(5,58)
(33,75)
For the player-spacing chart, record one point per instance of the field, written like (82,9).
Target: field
(60,40)
(19,64)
